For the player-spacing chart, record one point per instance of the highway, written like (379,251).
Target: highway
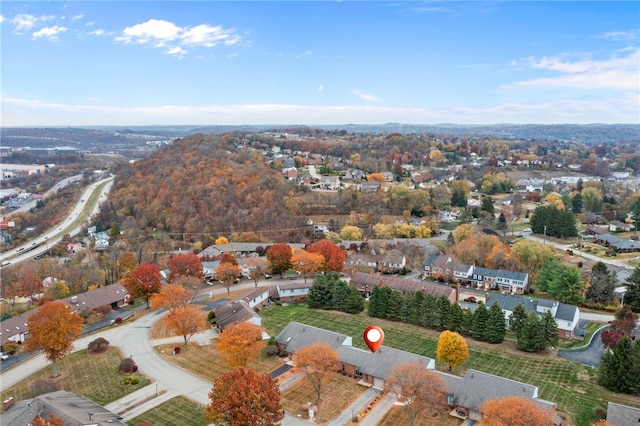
(72,225)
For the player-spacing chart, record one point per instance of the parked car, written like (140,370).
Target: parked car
(526,230)
(3,356)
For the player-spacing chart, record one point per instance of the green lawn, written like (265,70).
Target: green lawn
(590,328)
(572,386)
(93,376)
(178,411)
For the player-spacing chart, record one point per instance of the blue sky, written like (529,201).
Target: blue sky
(206,62)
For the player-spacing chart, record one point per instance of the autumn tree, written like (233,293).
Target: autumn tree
(185,265)
(227,273)
(143,281)
(171,297)
(127,262)
(334,256)
(221,240)
(376,176)
(532,255)
(186,321)
(317,362)
(452,349)
(307,263)
(240,343)
(417,388)
(279,256)
(257,266)
(515,410)
(228,258)
(51,421)
(52,329)
(244,397)
(350,232)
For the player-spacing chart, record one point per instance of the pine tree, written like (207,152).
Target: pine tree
(456,314)
(320,294)
(375,303)
(395,305)
(531,338)
(480,318)
(416,303)
(502,222)
(443,305)
(632,295)
(550,329)
(355,302)
(496,324)
(339,295)
(466,326)
(516,319)
(617,365)
(427,313)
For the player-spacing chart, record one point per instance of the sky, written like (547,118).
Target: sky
(95,63)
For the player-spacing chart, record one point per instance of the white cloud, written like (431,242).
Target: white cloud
(321,88)
(49,32)
(307,53)
(27,112)
(366,96)
(619,72)
(98,32)
(25,21)
(2,19)
(161,33)
(76,17)
(620,35)
(233,55)
(178,52)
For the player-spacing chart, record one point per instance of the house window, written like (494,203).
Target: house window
(358,373)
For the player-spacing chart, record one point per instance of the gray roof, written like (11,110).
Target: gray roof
(296,336)
(509,301)
(405,285)
(72,409)
(233,312)
(622,415)
(476,387)
(500,273)
(382,362)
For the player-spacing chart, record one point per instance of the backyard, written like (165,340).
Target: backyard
(572,386)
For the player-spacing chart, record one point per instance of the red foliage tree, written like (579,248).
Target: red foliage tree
(185,265)
(610,337)
(228,258)
(143,281)
(279,256)
(334,256)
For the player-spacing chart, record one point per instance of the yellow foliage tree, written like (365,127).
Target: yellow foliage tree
(452,349)
(307,263)
(52,328)
(171,297)
(514,410)
(350,232)
(186,321)
(462,232)
(553,199)
(221,240)
(240,343)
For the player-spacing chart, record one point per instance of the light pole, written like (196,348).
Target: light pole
(545,235)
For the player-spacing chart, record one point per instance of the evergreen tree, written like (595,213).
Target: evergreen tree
(554,222)
(458,198)
(576,203)
(466,326)
(496,324)
(549,329)
(632,295)
(516,319)
(414,310)
(99,226)
(378,302)
(561,281)
(487,205)
(395,305)
(480,318)
(427,313)
(502,222)
(531,338)
(355,302)
(617,367)
(320,294)
(443,305)
(602,284)
(339,295)
(405,311)
(456,315)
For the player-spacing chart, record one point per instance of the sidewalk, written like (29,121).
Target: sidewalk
(355,408)
(379,410)
(145,398)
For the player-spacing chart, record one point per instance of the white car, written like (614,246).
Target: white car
(526,230)
(3,356)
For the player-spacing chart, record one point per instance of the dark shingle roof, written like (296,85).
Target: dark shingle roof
(622,415)
(405,285)
(233,312)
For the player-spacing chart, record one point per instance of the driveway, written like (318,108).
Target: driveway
(589,356)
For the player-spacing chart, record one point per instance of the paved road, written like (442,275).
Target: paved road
(590,356)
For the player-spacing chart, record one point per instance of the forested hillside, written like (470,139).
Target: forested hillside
(203,184)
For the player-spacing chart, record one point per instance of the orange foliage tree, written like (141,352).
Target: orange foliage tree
(317,361)
(228,258)
(257,266)
(127,262)
(334,256)
(53,328)
(279,256)
(514,410)
(143,281)
(376,176)
(417,389)
(186,321)
(185,265)
(227,273)
(452,349)
(53,421)
(240,343)
(244,397)
(307,263)
(171,297)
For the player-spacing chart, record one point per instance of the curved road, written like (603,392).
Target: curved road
(589,356)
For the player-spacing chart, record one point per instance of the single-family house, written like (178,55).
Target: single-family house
(489,279)
(388,176)
(330,182)
(74,247)
(370,367)
(235,312)
(257,298)
(288,293)
(617,226)
(370,186)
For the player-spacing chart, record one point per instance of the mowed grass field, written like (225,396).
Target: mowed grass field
(94,376)
(571,385)
(178,411)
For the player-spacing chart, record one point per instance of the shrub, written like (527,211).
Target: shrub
(271,350)
(127,380)
(41,386)
(135,381)
(118,320)
(10,348)
(98,346)
(104,309)
(127,365)
(176,350)
(580,264)
(211,317)
(282,354)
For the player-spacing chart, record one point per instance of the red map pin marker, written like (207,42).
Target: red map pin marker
(373,337)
